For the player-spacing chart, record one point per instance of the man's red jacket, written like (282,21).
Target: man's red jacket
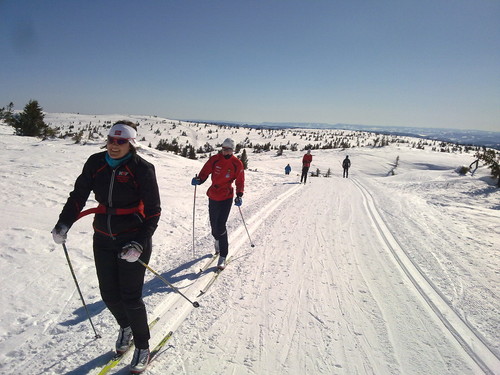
(306,160)
(224,172)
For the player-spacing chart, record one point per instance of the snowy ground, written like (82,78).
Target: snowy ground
(374,274)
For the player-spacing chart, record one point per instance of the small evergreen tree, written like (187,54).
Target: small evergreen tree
(30,121)
(184,152)
(244,159)
(491,160)
(208,147)
(192,153)
(7,113)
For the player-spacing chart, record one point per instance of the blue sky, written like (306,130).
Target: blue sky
(425,63)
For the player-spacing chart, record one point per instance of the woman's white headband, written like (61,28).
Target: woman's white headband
(123,131)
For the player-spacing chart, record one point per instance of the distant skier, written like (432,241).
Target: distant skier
(306,163)
(224,168)
(288,169)
(346,164)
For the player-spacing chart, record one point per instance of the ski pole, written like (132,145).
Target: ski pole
(97,336)
(194,207)
(251,243)
(195,304)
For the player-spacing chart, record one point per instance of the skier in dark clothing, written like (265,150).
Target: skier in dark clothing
(125,186)
(346,164)
(224,168)
(306,163)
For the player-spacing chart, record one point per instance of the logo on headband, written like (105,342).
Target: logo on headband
(118,132)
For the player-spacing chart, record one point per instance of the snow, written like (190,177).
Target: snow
(375,274)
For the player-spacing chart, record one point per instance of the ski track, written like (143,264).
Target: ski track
(341,261)
(327,285)
(463,332)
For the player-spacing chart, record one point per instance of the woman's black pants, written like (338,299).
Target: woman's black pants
(120,283)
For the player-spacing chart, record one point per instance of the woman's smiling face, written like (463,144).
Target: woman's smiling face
(117,147)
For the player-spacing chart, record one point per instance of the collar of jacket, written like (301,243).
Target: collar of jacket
(113,163)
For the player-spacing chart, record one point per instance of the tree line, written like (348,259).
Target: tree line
(30,122)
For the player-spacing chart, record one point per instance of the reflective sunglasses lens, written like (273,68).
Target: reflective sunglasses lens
(118,141)
(121,141)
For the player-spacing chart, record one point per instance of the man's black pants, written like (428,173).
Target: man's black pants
(219,212)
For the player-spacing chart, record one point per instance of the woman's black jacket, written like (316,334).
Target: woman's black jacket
(129,186)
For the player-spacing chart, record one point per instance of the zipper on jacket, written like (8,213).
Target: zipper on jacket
(110,202)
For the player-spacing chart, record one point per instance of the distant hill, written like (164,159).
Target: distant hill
(459,136)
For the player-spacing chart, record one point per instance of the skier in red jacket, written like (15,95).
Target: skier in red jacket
(224,168)
(306,163)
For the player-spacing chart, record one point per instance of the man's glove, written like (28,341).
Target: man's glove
(131,252)
(238,201)
(196,181)
(59,233)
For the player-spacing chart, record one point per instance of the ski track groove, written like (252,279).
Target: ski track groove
(292,308)
(465,335)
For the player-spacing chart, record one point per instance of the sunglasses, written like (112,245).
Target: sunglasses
(118,141)
(226,149)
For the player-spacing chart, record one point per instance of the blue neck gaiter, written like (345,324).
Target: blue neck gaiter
(113,163)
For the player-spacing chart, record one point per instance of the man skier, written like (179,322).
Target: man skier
(306,163)
(346,164)
(224,168)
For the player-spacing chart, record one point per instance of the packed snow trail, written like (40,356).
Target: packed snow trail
(463,332)
(326,300)
(342,306)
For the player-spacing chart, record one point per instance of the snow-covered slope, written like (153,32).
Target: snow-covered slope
(375,274)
